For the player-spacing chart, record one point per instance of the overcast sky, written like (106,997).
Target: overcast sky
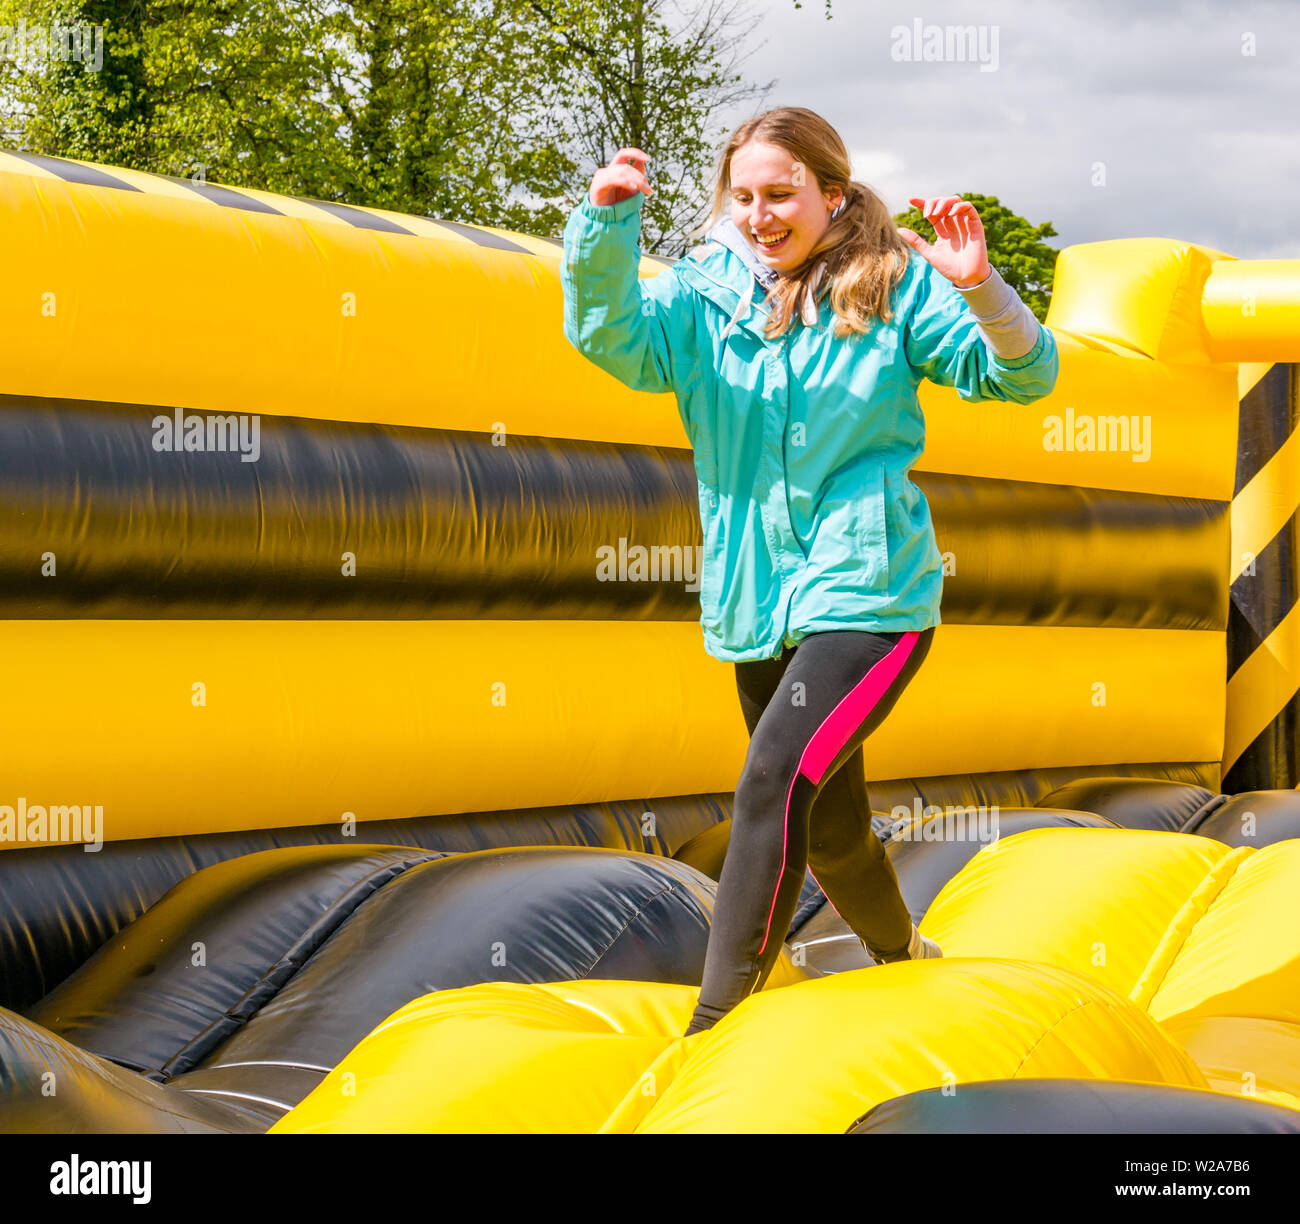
(1199,141)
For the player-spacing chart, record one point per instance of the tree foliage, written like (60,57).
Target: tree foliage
(493,112)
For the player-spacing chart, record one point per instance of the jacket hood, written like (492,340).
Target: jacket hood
(726,232)
(744,275)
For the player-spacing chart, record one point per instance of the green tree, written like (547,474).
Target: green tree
(638,79)
(451,108)
(1016,248)
(436,107)
(233,90)
(494,112)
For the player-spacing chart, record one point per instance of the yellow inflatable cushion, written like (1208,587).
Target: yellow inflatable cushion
(1064,949)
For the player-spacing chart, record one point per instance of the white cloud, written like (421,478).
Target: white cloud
(1199,142)
(873,165)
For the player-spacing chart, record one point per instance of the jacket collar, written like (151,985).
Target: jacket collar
(725,269)
(726,233)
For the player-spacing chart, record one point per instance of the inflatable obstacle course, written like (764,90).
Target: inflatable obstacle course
(304,506)
(1152,922)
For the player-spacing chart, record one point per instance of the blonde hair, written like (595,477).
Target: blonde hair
(865,255)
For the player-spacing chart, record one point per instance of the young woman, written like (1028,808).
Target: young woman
(794,340)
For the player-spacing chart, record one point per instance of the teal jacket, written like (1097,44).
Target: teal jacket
(802,444)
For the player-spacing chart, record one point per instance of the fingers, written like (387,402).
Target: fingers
(631,157)
(626,175)
(954,220)
(940,218)
(633,179)
(625,171)
(939,204)
(943,212)
(629,154)
(960,226)
(622,178)
(965,223)
(970,220)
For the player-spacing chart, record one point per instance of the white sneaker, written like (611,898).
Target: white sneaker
(918,948)
(929,950)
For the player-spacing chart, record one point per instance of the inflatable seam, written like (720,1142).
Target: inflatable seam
(1203,813)
(274,980)
(1184,922)
(1047,1032)
(667,889)
(623,1118)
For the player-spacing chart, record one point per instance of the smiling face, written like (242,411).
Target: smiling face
(781,211)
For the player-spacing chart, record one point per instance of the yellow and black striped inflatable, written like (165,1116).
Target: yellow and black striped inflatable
(300,545)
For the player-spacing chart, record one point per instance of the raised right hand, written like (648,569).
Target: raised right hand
(621,179)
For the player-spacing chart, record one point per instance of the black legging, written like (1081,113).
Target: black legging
(801,802)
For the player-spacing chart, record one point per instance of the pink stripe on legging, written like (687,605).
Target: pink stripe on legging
(836,730)
(839,725)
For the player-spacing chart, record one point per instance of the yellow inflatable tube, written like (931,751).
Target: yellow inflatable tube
(262,724)
(1100,977)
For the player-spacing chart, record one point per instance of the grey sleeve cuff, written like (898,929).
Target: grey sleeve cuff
(1006,323)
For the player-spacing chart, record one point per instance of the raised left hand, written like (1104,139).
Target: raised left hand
(960,253)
